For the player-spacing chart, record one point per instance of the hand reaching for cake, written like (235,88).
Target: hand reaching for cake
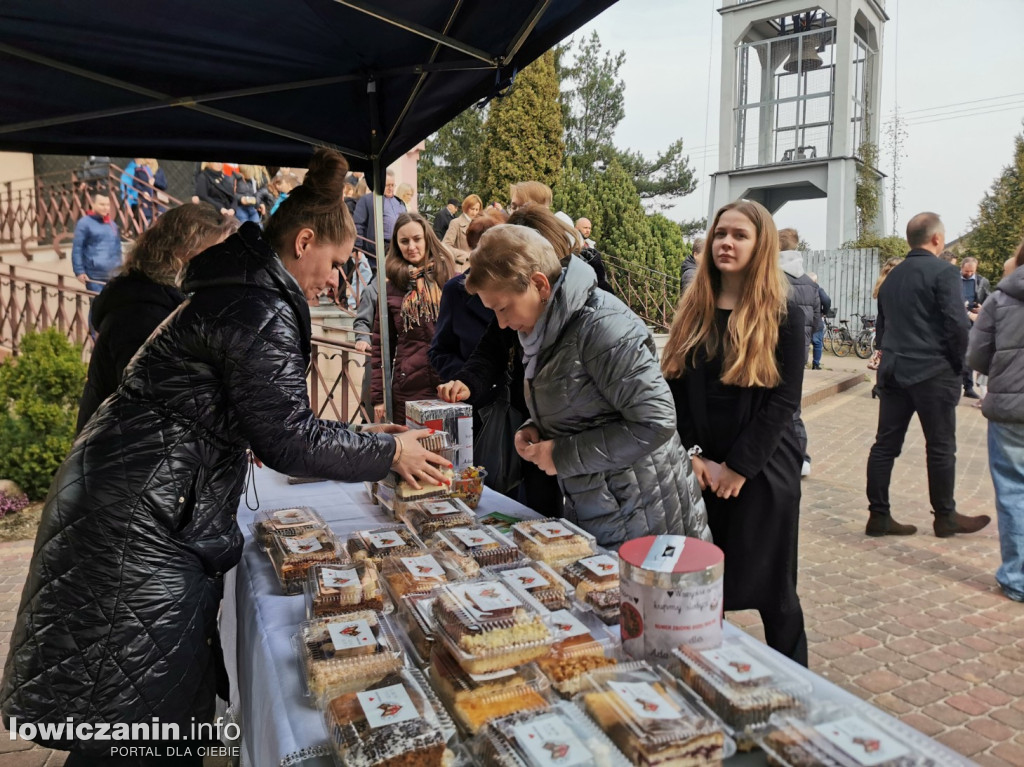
(416,464)
(453,391)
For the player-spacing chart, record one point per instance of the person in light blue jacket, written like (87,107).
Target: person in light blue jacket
(96,248)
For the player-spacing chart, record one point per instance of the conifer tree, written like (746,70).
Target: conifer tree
(523,134)
(450,165)
(999,226)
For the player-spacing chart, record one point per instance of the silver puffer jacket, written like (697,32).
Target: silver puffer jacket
(598,392)
(996,348)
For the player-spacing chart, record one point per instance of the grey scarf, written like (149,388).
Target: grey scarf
(533,341)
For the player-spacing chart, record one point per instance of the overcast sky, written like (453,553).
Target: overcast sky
(955,75)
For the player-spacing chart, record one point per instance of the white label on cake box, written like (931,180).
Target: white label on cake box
(656,621)
(549,741)
(567,625)
(552,530)
(386,540)
(439,508)
(737,664)
(862,741)
(602,565)
(423,567)
(387,705)
(302,544)
(526,577)
(292,517)
(351,634)
(336,579)
(644,701)
(489,596)
(472,538)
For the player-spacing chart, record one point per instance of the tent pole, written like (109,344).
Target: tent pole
(378,231)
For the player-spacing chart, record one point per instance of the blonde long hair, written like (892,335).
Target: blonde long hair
(887,267)
(753,330)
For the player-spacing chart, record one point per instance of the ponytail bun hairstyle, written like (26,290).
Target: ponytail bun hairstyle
(317,204)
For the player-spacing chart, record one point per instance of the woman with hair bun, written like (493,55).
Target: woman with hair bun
(118,618)
(143,295)
(417,267)
(735,361)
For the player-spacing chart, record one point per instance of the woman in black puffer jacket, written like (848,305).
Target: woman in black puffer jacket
(118,616)
(134,303)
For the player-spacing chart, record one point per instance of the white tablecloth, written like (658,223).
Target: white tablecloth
(279,725)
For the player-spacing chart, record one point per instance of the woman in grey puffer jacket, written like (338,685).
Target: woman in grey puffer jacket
(602,416)
(996,348)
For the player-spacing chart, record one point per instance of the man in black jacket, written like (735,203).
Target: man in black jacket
(690,264)
(922,332)
(445,216)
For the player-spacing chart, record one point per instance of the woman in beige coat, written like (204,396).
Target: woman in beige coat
(455,237)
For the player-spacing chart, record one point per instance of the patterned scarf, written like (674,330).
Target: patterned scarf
(421,298)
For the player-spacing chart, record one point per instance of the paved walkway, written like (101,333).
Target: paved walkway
(915,625)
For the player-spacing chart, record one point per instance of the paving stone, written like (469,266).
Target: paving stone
(948,716)
(974,672)
(964,741)
(990,695)
(923,723)
(34,758)
(967,704)
(910,645)
(990,729)
(879,681)
(988,760)
(1011,684)
(920,693)
(933,660)
(1011,717)
(891,704)
(949,682)
(854,665)
(1011,752)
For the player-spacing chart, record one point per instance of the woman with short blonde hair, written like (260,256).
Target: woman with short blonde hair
(455,237)
(601,415)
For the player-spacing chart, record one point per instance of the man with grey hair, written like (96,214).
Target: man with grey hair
(922,332)
(975,290)
(363,215)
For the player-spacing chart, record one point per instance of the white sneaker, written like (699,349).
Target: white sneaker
(806,470)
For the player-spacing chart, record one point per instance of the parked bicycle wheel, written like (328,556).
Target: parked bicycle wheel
(842,343)
(863,347)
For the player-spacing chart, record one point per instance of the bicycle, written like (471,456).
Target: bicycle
(865,346)
(837,338)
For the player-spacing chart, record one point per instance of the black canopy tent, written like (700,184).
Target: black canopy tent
(262,81)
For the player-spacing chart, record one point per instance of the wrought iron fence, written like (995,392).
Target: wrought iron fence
(34,300)
(651,294)
(44,209)
(335,381)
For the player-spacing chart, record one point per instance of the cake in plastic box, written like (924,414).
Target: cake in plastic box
(539,581)
(488,547)
(580,647)
(473,700)
(347,652)
(420,573)
(453,418)
(415,615)
(741,685)
(382,542)
(845,737)
(428,517)
(644,714)
(554,541)
(487,627)
(596,580)
(398,496)
(558,735)
(395,722)
(344,588)
(275,523)
(293,555)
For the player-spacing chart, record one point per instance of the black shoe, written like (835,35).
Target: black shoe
(948,525)
(971,394)
(815,367)
(884,524)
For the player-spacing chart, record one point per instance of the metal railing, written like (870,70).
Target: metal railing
(335,380)
(44,209)
(651,294)
(35,300)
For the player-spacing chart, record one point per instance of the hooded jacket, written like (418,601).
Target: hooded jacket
(803,290)
(598,392)
(129,308)
(96,247)
(996,348)
(118,615)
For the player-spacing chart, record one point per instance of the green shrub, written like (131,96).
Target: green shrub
(39,391)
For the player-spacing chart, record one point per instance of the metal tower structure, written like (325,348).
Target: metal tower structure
(800,94)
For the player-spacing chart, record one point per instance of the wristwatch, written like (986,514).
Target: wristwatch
(695,450)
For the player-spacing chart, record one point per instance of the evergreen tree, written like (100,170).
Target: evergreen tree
(576,198)
(451,163)
(999,226)
(523,132)
(626,233)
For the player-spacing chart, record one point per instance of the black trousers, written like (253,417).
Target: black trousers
(784,632)
(935,402)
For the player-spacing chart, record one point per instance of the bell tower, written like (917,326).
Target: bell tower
(800,93)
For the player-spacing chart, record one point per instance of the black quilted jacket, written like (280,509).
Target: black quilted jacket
(119,611)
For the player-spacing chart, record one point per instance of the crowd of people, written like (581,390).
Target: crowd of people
(200,367)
